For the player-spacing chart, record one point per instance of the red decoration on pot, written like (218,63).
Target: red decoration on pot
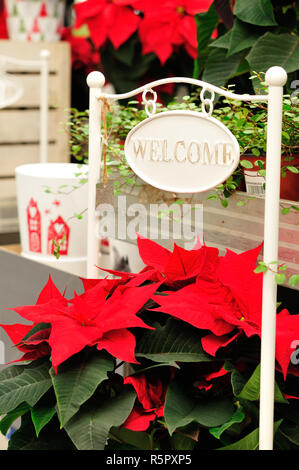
(34,226)
(58,231)
(43,11)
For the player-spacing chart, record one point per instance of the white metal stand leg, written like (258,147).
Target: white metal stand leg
(44,104)
(275,78)
(95,81)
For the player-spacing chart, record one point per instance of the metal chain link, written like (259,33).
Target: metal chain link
(150,104)
(207,102)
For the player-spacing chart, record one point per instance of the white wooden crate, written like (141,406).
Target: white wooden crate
(241,228)
(20,123)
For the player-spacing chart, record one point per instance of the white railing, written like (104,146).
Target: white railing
(275,79)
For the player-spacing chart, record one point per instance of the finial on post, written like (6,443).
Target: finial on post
(44,54)
(276,76)
(95,80)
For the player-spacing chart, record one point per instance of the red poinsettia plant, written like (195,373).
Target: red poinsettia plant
(166,358)
(136,40)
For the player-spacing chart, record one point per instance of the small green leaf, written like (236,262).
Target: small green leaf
(246,164)
(283,267)
(256,152)
(285,210)
(293,169)
(293,280)
(261,269)
(280,278)
(237,417)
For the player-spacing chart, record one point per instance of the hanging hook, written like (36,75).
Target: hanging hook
(207,102)
(150,104)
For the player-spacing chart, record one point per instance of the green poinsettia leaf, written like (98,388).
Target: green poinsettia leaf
(41,415)
(11,417)
(274,49)
(140,440)
(223,41)
(251,390)
(127,51)
(206,23)
(249,442)
(290,431)
(237,417)
(176,341)
(181,442)
(51,438)
(89,428)
(20,384)
(257,12)
(242,37)
(220,68)
(181,409)
(77,380)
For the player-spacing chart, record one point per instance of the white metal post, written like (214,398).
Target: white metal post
(275,79)
(44,105)
(95,81)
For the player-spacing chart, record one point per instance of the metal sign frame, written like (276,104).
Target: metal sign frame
(275,78)
(43,66)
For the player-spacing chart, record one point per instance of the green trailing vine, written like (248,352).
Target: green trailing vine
(279,271)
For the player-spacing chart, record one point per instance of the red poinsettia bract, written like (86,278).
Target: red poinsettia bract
(226,300)
(90,319)
(216,376)
(151,394)
(178,265)
(169,24)
(114,20)
(34,347)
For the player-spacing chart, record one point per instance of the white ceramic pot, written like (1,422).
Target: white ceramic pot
(52,210)
(35,20)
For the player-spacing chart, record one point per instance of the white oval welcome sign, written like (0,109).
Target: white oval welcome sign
(182,151)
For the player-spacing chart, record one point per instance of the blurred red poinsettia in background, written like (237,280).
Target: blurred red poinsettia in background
(170,24)
(3,26)
(132,41)
(115,20)
(138,40)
